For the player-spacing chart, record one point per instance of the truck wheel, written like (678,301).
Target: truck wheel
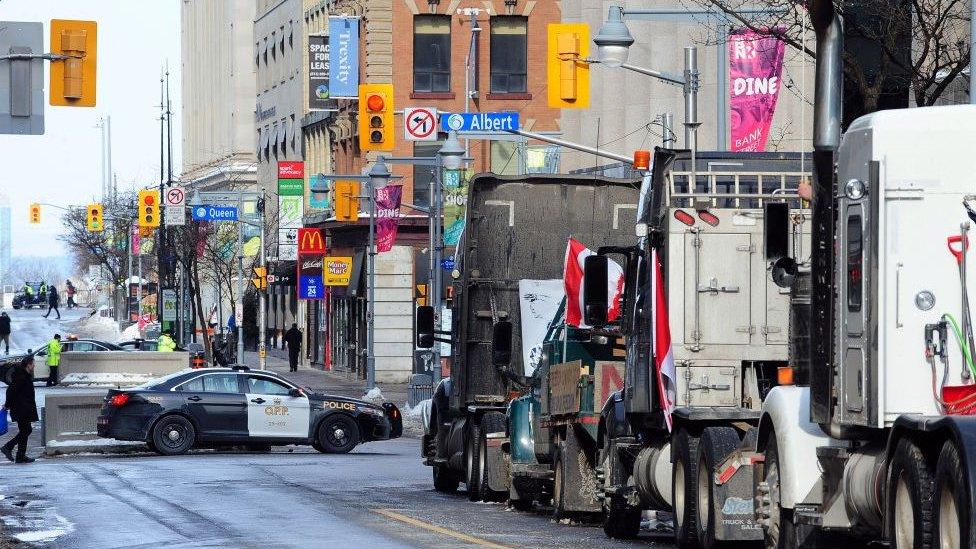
(910,488)
(445,480)
(952,522)
(715,445)
(472,462)
(779,534)
(559,483)
(684,483)
(492,422)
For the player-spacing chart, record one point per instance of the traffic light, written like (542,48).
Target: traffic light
(376,117)
(35,213)
(96,222)
(346,200)
(261,278)
(73,78)
(568,75)
(148,208)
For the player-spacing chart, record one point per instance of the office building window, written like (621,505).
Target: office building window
(432,53)
(509,57)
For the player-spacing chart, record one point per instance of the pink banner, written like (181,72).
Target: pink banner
(387,216)
(755,66)
(136,240)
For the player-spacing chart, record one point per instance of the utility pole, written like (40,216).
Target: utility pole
(160,256)
(667,128)
(263,294)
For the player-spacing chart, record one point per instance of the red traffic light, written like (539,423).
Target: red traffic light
(148,200)
(375,102)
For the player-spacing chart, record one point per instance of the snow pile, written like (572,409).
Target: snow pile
(416,418)
(114,379)
(374,395)
(97,327)
(33,521)
(130,333)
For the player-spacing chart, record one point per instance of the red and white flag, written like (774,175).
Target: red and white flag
(667,377)
(576,254)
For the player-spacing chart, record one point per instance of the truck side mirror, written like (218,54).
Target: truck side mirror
(501,343)
(776,230)
(595,290)
(425,327)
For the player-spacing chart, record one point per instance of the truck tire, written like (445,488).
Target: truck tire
(492,422)
(910,495)
(472,461)
(715,445)
(780,533)
(445,480)
(559,482)
(684,489)
(952,524)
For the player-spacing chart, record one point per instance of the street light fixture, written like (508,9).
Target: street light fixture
(614,39)
(451,152)
(379,175)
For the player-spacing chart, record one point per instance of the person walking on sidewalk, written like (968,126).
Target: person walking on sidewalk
(5,331)
(22,407)
(69,290)
(52,302)
(53,359)
(293,337)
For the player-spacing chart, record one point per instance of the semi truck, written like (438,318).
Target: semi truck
(515,237)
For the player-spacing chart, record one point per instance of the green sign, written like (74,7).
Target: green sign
(291,187)
(455,204)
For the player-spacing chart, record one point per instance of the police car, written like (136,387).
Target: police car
(218,406)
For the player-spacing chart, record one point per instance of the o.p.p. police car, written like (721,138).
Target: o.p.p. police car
(217,406)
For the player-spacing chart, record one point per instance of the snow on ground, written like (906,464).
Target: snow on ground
(36,521)
(130,333)
(374,395)
(95,327)
(113,379)
(90,443)
(416,419)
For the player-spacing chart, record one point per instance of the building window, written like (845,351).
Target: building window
(432,53)
(509,54)
(423,176)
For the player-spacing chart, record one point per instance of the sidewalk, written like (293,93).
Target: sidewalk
(339,383)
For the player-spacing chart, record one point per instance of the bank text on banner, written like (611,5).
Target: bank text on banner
(343,57)
(755,66)
(387,216)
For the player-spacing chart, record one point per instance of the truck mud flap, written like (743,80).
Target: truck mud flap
(733,501)
(496,462)
(580,485)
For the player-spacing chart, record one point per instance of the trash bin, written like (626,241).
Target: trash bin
(420,389)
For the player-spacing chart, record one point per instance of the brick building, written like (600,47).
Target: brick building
(422,48)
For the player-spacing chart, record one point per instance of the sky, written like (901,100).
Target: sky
(63,166)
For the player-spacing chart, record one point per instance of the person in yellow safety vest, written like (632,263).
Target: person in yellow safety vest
(43,288)
(28,289)
(53,359)
(166,343)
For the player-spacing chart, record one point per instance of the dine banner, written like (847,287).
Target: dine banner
(755,69)
(387,216)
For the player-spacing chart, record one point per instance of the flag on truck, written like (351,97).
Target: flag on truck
(667,378)
(576,254)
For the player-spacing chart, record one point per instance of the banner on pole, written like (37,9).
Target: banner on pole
(755,67)
(387,216)
(343,57)
(455,204)
(318,74)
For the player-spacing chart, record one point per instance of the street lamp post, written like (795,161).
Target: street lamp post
(378,177)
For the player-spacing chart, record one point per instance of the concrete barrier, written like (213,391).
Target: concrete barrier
(70,424)
(116,368)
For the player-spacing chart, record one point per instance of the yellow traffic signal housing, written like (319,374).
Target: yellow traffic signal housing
(73,79)
(261,278)
(96,223)
(148,208)
(346,200)
(376,117)
(568,74)
(35,213)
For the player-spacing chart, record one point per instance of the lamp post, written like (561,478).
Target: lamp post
(377,178)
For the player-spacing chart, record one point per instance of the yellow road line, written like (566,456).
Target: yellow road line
(438,529)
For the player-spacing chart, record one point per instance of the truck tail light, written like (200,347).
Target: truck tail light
(684,217)
(119,400)
(708,217)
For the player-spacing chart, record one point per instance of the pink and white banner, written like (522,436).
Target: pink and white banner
(387,216)
(755,66)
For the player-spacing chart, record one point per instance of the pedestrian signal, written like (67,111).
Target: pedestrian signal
(35,213)
(567,72)
(376,117)
(96,222)
(148,208)
(346,200)
(72,80)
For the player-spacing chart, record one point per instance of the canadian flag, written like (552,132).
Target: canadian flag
(576,254)
(667,378)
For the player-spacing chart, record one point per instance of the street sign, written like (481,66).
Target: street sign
(214,213)
(420,124)
(272,279)
(290,211)
(448,264)
(287,252)
(175,215)
(22,80)
(480,121)
(170,305)
(287,237)
(175,196)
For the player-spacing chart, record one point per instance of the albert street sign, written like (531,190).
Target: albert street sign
(480,121)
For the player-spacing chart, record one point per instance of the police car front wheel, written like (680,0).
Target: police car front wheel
(338,434)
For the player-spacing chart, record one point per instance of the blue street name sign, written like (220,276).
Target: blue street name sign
(480,121)
(448,264)
(214,213)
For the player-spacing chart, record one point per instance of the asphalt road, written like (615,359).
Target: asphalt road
(378,496)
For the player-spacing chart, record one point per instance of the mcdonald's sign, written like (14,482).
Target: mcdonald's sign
(310,241)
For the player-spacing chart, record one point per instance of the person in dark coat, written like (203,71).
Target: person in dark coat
(293,337)
(52,302)
(23,409)
(5,331)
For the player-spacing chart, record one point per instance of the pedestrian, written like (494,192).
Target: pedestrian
(5,331)
(22,407)
(231,353)
(42,288)
(52,302)
(166,342)
(293,337)
(53,359)
(70,291)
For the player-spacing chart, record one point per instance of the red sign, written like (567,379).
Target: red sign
(310,241)
(288,169)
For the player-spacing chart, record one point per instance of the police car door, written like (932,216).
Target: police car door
(272,412)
